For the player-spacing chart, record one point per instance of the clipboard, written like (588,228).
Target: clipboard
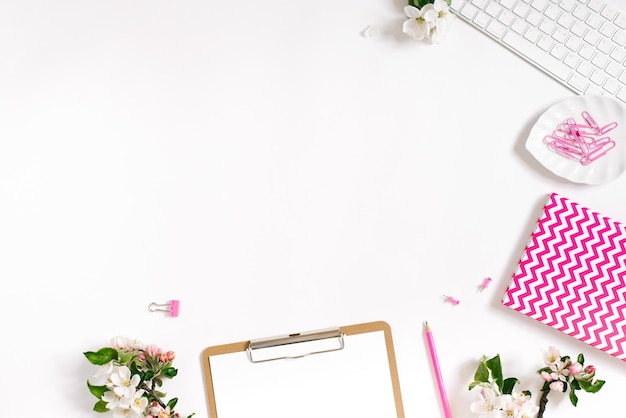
(338,372)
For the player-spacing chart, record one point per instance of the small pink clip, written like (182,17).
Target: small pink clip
(452,300)
(591,121)
(171,307)
(484,284)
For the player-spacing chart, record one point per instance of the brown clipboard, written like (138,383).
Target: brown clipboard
(340,337)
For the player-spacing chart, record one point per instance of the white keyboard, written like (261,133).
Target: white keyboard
(580,43)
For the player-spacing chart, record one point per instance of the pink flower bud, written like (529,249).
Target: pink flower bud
(590,370)
(141,356)
(575,368)
(557,385)
(546,376)
(163,358)
(153,350)
(170,355)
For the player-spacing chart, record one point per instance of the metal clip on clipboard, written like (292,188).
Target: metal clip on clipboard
(295,345)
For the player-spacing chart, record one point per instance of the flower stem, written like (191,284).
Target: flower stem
(542,403)
(152,392)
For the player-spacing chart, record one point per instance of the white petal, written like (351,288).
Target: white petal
(412,12)
(429,13)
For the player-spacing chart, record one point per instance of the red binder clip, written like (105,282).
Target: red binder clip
(171,307)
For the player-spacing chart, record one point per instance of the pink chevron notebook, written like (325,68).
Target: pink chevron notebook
(572,275)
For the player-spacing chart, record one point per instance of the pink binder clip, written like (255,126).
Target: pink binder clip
(451,299)
(171,307)
(485,284)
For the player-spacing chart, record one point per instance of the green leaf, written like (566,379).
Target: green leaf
(102,356)
(126,357)
(100,406)
(473,385)
(170,371)
(581,358)
(591,387)
(495,367)
(412,3)
(575,384)
(572,397)
(172,403)
(509,384)
(482,373)
(97,391)
(148,375)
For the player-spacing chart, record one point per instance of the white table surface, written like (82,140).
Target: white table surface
(276,171)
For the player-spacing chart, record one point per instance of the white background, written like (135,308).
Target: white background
(276,171)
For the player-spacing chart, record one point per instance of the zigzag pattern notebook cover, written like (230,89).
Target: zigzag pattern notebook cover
(572,275)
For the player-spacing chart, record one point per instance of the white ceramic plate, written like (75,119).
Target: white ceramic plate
(604,110)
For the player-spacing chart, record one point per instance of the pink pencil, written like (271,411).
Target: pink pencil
(435,361)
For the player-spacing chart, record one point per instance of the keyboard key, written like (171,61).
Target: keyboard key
(613,69)
(567,5)
(479,3)
(585,68)
(493,9)
(608,12)
(521,10)
(532,35)
(469,11)
(545,43)
(600,60)
(496,28)
(621,94)
(506,17)
(566,20)
(482,19)
(595,5)
(611,86)
(591,37)
(552,65)
(594,20)
(539,4)
(618,54)
(607,29)
(620,21)
(598,77)
(581,12)
(519,26)
(552,12)
(578,82)
(587,52)
(605,46)
(571,60)
(573,43)
(579,29)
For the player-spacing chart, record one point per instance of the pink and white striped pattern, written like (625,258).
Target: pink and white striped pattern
(572,276)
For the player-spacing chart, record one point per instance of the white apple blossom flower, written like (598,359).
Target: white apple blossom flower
(140,402)
(103,375)
(124,384)
(490,404)
(126,413)
(114,401)
(431,22)
(442,22)
(551,356)
(415,26)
